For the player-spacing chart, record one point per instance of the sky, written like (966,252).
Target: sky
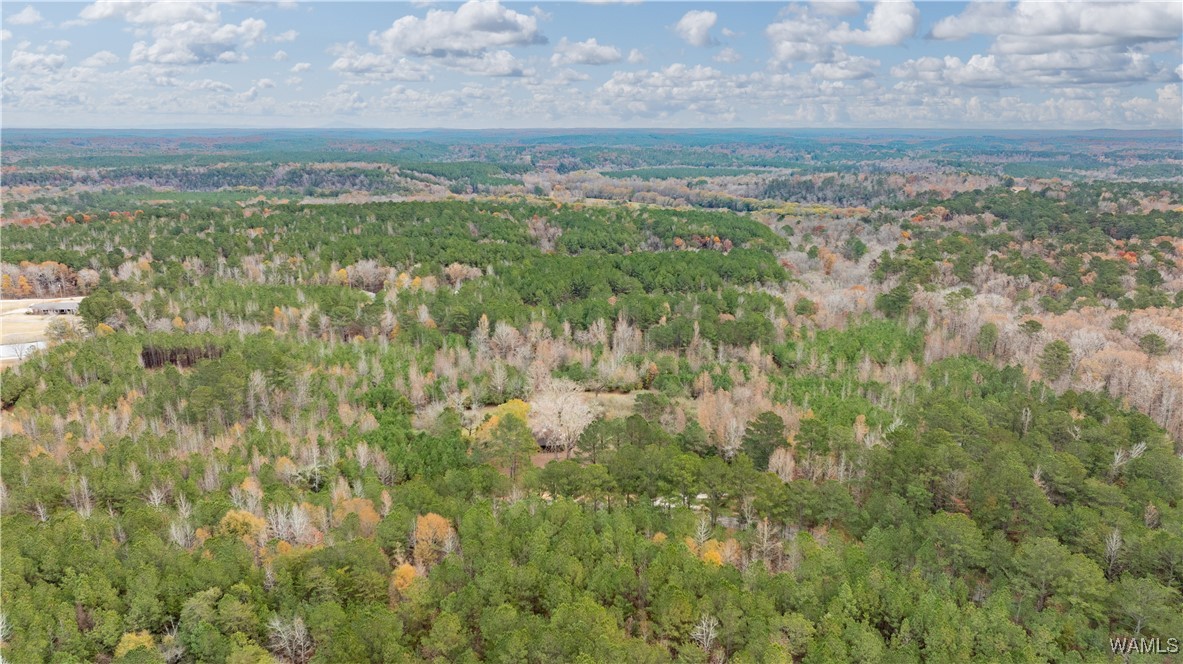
(490,64)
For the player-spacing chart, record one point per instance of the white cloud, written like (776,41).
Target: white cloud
(1068,43)
(184,33)
(850,69)
(472,39)
(703,91)
(492,63)
(193,42)
(800,38)
(377,66)
(728,55)
(695,27)
(835,7)
(568,75)
(150,13)
(889,24)
(978,71)
(41,63)
(5,35)
(587,52)
(27,16)
(286,36)
(471,30)
(209,85)
(1059,66)
(1059,44)
(1088,23)
(1085,67)
(101,59)
(978,18)
(280,55)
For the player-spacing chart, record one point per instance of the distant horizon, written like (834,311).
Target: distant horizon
(553,130)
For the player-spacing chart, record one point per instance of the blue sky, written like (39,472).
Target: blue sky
(485,64)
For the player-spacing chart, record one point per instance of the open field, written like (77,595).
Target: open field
(18,327)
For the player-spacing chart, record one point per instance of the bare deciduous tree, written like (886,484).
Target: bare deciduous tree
(1112,552)
(290,639)
(559,415)
(705,632)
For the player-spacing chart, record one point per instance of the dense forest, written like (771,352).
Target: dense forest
(876,417)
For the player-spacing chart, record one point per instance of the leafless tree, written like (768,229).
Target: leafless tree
(181,533)
(257,396)
(1122,456)
(157,495)
(290,639)
(80,497)
(292,524)
(1112,552)
(702,530)
(560,415)
(705,632)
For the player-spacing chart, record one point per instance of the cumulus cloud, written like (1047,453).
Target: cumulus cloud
(835,7)
(150,13)
(1058,66)
(193,42)
(184,33)
(27,16)
(890,23)
(286,36)
(695,27)
(979,71)
(377,66)
(37,63)
(471,30)
(801,37)
(728,56)
(677,87)
(101,59)
(588,52)
(473,38)
(5,35)
(849,69)
(978,18)
(492,63)
(1067,44)
(1086,23)
(568,75)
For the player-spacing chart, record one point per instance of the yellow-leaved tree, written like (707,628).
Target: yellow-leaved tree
(433,538)
(132,640)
